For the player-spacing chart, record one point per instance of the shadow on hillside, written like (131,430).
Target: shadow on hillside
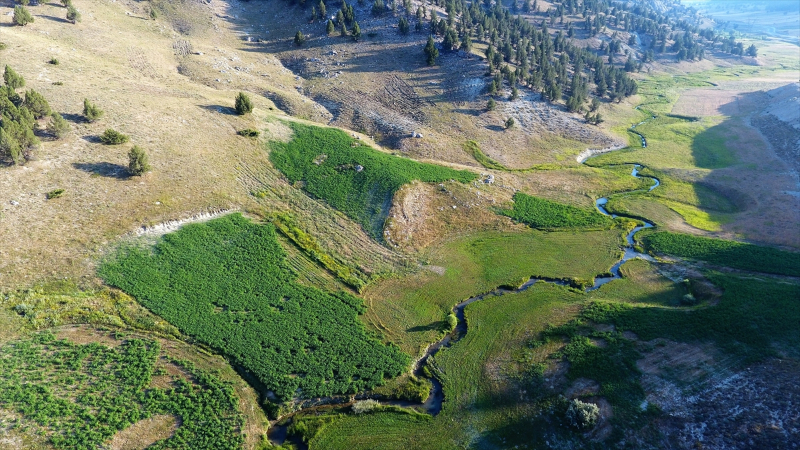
(227,110)
(55,19)
(104,169)
(74,118)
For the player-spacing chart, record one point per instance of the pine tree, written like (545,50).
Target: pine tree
(36,103)
(491,105)
(243,103)
(330,28)
(13,79)
(510,122)
(22,16)
(343,30)
(466,43)
(403,26)
(322,11)
(58,127)
(73,15)
(91,112)
(137,161)
(356,31)
(431,52)
(299,39)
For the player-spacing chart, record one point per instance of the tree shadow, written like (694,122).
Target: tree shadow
(495,128)
(227,110)
(92,139)
(433,326)
(74,118)
(104,169)
(55,19)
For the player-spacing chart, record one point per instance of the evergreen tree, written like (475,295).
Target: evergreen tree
(243,104)
(378,8)
(323,12)
(510,123)
(299,39)
(491,105)
(403,26)
(58,127)
(343,30)
(22,16)
(12,79)
(91,112)
(450,40)
(36,104)
(356,31)
(330,28)
(431,52)
(73,15)
(752,50)
(137,161)
(466,43)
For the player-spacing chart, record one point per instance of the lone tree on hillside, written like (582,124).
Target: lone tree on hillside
(509,123)
(752,50)
(491,105)
(58,127)
(21,16)
(431,52)
(13,79)
(356,31)
(299,39)
(243,104)
(330,28)
(137,161)
(403,26)
(73,15)
(113,137)
(91,111)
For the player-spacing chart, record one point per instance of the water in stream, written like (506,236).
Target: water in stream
(433,405)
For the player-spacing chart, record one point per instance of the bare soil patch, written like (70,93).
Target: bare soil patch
(144,433)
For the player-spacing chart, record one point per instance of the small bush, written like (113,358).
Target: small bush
(582,415)
(22,16)
(248,132)
(113,137)
(363,406)
(299,39)
(3,46)
(510,122)
(153,14)
(58,83)
(53,61)
(137,161)
(452,321)
(66,3)
(55,193)
(91,111)
(58,127)
(243,104)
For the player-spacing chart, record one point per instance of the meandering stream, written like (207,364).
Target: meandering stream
(433,405)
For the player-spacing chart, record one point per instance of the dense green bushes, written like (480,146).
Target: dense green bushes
(91,112)
(81,395)
(18,119)
(227,284)
(540,213)
(113,137)
(137,161)
(355,179)
(243,104)
(725,253)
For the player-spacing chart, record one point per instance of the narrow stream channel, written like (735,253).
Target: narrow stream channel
(433,405)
